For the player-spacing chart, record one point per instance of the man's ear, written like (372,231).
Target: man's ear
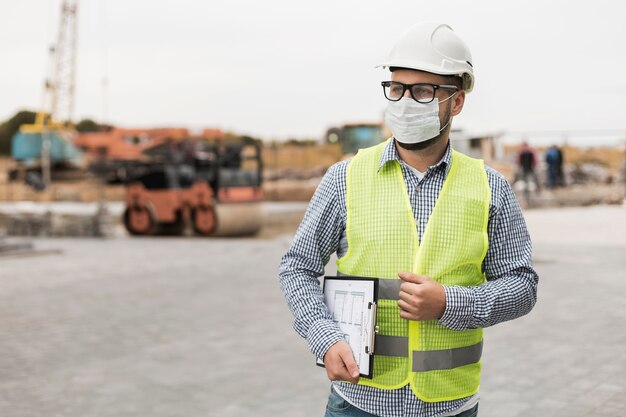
(457,102)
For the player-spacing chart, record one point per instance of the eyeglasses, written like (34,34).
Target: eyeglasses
(421,92)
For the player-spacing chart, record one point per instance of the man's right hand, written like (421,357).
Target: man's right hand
(340,364)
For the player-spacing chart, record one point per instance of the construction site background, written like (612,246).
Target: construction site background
(292,171)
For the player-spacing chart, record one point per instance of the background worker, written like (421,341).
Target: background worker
(554,161)
(458,266)
(526,165)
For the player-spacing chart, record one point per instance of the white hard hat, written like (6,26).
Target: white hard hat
(433,47)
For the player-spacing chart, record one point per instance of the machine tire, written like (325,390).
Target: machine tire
(138,221)
(203,220)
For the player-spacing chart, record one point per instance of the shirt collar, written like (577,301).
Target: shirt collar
(391,154)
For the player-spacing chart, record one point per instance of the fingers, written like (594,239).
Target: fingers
(409,296)
(410,288)
(409,316)
(350,364)
(408,303)
(414,278)
(408,311)
(340,364)
(425,301)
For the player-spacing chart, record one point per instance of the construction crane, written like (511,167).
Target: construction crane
(49,139)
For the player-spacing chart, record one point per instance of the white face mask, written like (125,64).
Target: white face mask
(413,122)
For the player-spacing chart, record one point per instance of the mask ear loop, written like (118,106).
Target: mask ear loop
(448,98)
(443,101)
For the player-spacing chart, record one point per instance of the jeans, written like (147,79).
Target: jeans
(338,407)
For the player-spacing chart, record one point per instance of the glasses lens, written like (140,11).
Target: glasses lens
(393,90)
(424,93)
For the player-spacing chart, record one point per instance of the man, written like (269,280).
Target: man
(439,229)
(526,163)
(553,160)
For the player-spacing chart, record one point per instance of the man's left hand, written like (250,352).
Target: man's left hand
(421,298)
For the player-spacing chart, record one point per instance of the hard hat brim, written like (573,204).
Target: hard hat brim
(410,64)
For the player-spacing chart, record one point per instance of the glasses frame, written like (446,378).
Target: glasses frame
(386,84)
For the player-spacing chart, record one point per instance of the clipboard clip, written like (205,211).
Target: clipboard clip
(369,349)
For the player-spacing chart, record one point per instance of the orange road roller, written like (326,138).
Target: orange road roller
(217,192)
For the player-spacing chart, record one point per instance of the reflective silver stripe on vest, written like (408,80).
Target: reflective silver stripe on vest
(428,360)
(391,345)
(431,360)
(388,289)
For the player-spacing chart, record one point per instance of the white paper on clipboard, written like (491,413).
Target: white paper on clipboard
(353,305)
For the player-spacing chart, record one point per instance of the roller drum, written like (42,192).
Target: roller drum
(238,219)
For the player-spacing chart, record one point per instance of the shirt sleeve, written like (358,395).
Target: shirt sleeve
(317,238)
(511,288)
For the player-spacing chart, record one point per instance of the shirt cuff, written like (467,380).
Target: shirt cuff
(459,312)
(322,335)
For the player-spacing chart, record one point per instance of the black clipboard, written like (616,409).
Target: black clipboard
(368,318)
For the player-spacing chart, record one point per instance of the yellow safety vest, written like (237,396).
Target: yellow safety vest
(440,364)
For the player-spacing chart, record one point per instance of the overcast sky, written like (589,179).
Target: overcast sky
(277,69)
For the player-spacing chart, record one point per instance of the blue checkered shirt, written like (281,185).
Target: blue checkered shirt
(510,290)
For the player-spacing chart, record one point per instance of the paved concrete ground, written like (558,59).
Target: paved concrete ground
(192,327)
